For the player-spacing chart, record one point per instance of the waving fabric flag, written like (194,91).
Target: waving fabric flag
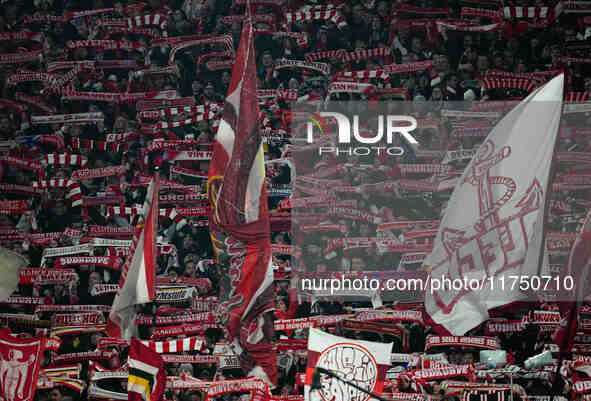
(363,363)
(10,264)
(239,220)
(138,278)
(147,376)
(19,366)
(493,226)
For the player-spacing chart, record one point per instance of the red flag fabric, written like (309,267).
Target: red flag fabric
(579,265)
(147,376)
(19,366)
(239,220)
(138,278)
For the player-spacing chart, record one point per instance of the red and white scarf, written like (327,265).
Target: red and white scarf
(31,275)
(182,42)
(172,346)
(175,111)
(110,262)
(363,54)
(482,13)
(455,341)
(148,20)
(328,54)
(123,30)
(88,174)
(13,207)
(287,63)
(71,119)
(35,101)
(19,58)
(187,317)
(64,159)
(467,27)
(105,44)
(509,83)
(153,128)
(332,15)
(78,143)
(21,36)
(74,193)
(29,76)
(25,164)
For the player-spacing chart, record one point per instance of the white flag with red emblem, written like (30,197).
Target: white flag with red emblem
(138,277)
(492,229)
(362,363)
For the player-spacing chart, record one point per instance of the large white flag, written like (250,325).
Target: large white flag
(492,229)
(363,363)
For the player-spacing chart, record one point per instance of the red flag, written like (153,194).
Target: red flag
(579,264)
(239,220)
(147,376)
(138,278)
(19,366)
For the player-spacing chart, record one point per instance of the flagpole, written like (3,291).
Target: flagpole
(330,373)
(157,210)
(555,390)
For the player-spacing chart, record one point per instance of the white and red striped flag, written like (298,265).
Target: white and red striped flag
(138,277)
(239,220)
(363,363)
(492,229)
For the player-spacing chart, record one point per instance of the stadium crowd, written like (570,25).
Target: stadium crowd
(98,95)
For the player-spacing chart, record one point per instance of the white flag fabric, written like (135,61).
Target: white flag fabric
(10,264)
(138,281)
(363,363)
(492,228)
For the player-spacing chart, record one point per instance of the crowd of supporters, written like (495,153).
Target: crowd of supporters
(78,149)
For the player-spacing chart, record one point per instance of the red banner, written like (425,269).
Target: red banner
(19,366)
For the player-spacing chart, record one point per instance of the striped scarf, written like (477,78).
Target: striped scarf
(74,193)
(105,44)
(104,146)
(19,58)
(123,30)
(72,119)
(332,15)
(136,211)
(153,128)
(64,159)
(482,13)
(35,101)
(147,20)
(509,83)
(174,111)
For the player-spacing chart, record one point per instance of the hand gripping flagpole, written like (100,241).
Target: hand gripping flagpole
(157,196)
(317,386)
